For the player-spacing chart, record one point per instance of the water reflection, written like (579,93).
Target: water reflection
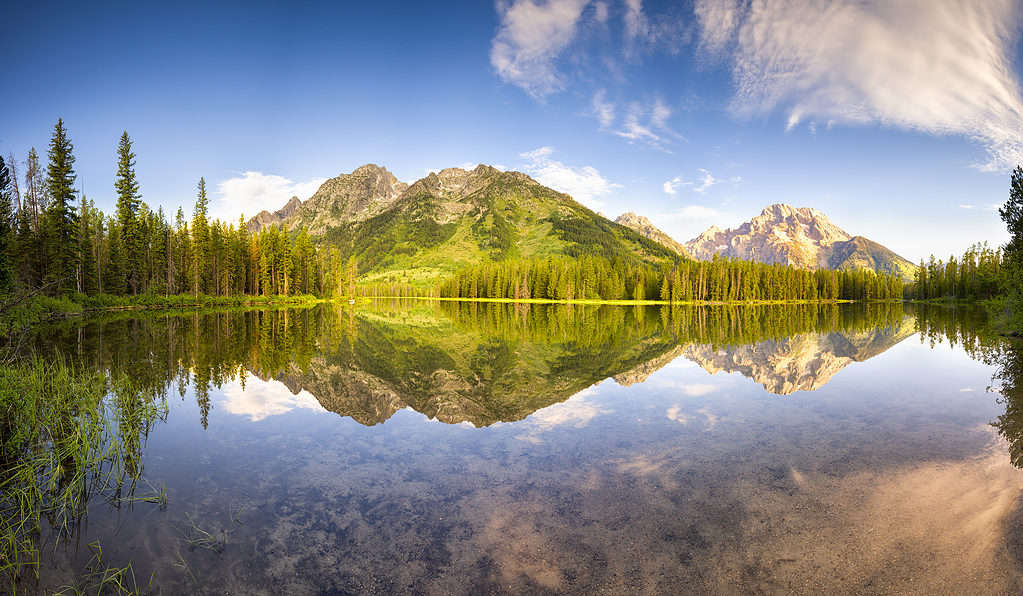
(604,458)
(476,363)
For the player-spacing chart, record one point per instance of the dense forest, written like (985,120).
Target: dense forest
(976,275)
(722,279)
(48,243)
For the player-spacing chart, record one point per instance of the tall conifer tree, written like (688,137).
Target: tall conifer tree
(128,199)
(200,241)
(61,229)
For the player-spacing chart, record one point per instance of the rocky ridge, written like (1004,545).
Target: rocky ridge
(801,237)
(644,227)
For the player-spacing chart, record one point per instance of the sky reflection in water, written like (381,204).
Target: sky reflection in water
(486,449)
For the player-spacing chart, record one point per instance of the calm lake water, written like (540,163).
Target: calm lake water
(470,448)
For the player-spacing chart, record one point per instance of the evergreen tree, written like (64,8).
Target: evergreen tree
(200,241)
(61,221)
(87,276)
(128,200)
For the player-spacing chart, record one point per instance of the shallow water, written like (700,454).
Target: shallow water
(440,449)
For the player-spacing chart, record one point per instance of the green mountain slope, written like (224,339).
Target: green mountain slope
(862,253)
(417,233)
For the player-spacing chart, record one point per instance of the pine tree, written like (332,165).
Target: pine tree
(88,280)
(128,199)
(200,241)
(61,229)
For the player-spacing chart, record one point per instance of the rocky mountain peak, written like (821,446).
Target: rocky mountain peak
(644,227)
(798,236)
(265,219)
(629,218)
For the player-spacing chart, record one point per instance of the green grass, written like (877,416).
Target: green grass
(66,437)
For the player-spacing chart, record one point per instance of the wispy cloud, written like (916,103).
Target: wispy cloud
(603,109)
(935,66)
(642,32)
(647,124)
(529,40)
(253,192)
(701,185)
(585,184)
(988,207)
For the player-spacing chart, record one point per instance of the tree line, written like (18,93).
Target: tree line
(719,280)
(976,275)
(54,239)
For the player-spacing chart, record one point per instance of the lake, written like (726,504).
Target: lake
(447,448)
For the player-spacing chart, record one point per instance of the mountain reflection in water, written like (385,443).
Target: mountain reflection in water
(891,476)
(473,362)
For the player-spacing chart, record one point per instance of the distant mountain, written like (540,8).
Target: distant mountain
(644,227)
(801,237)
(419,231)
(265,219)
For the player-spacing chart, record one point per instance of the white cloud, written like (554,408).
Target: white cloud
(584,184)
(530,38)
(642,33)
(603,109)
(967,206)
(698,389)
(718,23)
(934,66)
(261,399)
(576,412)
(648,124)
(671,186)
(659,114)
(636,23)
(705,181)
(253,192)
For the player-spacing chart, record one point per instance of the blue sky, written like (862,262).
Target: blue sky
(901,121)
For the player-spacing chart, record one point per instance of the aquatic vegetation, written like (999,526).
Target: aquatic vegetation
(98,578)
(67,436)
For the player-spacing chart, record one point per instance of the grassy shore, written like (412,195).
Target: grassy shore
(38,309)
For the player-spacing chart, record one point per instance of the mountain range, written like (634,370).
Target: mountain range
(453,218)
(801,237)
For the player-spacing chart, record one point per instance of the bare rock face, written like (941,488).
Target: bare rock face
(366,192)
(644,227)
(780,234)
(801,237)
(265,219)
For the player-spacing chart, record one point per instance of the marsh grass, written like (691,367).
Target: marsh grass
(67,437)
(198,537)
(98,578)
